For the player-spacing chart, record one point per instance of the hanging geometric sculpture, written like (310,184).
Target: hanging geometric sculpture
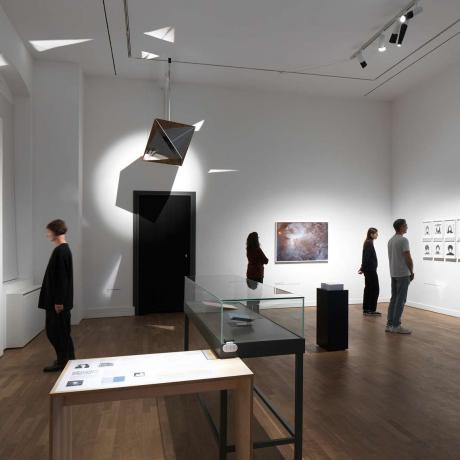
(168,142)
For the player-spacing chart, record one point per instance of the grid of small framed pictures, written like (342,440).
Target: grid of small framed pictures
(441,240)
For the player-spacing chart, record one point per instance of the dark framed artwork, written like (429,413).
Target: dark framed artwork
(302,242)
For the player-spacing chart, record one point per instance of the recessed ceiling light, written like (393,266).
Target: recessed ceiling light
(2,61)
(198,125)
(217,171)
(44,45)
(165,33)
(147,55)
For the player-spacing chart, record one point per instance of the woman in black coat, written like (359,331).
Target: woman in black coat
(369,269)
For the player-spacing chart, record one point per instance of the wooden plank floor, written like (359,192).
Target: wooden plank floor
(387,397)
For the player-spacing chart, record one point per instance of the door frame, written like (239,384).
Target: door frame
(137,195)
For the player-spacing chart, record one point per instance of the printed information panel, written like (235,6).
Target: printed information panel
(138,370)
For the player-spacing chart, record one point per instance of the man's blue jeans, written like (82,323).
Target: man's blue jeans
(399,288)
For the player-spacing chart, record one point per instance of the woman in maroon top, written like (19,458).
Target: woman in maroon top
(256,259)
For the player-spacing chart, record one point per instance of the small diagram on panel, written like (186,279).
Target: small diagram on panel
(450,251)
(82,366)
(74,383)
(450,230)
(427,231)
(427,251)
(116,379)
(438,231)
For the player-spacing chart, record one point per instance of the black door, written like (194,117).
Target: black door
(164,250)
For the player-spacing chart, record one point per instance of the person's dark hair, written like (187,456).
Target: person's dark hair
(398,223)
(58,227)
(370,232)
(253,241)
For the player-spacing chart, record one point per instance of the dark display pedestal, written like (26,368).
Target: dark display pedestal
(332,319)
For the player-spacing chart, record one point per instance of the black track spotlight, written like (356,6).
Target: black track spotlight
(410,14)
(402,33)
(394,34)
(361,60)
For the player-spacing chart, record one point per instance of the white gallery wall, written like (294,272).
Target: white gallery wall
(15,81)
(426,186)
(57,151)
(10,263)
(299,159)
(2,299)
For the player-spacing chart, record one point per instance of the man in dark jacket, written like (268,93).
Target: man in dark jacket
(56,296)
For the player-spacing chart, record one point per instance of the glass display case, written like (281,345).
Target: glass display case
(231,309)
(240,317)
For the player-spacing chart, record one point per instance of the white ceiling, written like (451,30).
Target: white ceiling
(312,36)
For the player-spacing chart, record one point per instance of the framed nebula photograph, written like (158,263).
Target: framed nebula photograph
(302,242)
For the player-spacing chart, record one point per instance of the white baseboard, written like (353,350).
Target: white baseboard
(442,310)
(357,301)
(108,312)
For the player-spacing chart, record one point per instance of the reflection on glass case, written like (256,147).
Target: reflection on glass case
(250,314)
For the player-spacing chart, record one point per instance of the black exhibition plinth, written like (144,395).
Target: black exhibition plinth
(332,319)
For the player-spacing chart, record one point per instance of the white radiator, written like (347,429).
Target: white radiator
(24,320)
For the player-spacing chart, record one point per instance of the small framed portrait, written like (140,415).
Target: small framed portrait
(427,231)
(427,251)
(450,233)
(438,231)
(438,250)
(450,251)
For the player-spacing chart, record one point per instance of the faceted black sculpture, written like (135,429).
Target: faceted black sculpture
(168,142)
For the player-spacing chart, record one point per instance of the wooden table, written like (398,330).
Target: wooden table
(90,381)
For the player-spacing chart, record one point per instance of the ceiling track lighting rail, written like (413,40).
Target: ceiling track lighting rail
(109,37)
(399,23)
(311,74)
(415,62)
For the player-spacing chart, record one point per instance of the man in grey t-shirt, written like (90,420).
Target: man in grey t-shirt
(402,273)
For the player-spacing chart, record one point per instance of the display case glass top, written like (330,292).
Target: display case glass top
(260,319)
(234,288)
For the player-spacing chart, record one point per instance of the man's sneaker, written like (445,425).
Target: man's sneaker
(401,330)
(373,313)
(389,329)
